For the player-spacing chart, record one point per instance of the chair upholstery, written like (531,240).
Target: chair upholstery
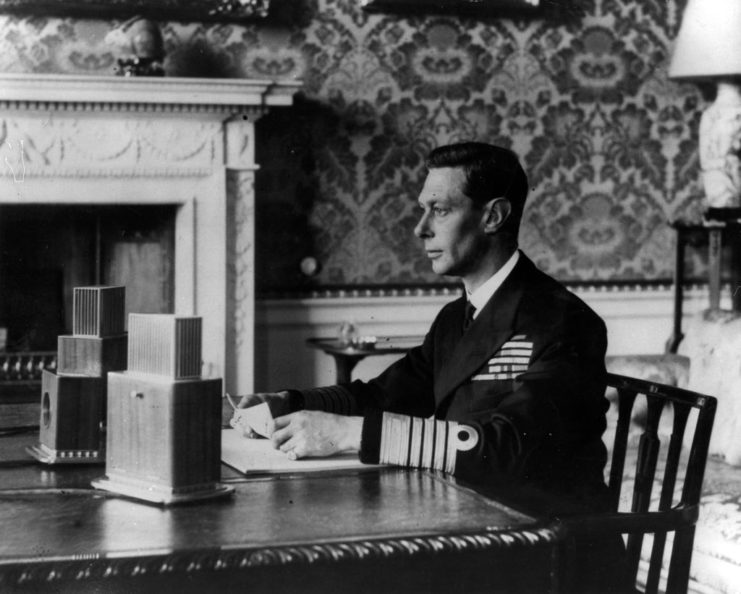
(678,503)
(713,345)
(665,368)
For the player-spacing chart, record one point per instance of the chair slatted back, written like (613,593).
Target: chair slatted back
(659,399)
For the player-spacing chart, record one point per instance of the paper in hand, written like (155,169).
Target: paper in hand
(255,418)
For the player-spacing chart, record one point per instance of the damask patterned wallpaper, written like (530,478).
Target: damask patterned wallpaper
(608,141)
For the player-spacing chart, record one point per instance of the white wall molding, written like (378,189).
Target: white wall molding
(639,321)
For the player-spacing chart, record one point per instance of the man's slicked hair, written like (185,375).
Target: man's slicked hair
(491,172)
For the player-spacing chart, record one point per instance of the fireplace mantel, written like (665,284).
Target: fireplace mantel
(68,139)
(122,93)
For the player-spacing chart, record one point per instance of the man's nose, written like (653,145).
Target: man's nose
(423,228)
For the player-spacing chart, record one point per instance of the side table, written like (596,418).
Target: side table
(715,231)
(347,357)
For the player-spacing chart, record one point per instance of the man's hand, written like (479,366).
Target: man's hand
(314,433)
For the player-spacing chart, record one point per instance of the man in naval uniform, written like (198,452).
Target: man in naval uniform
(508,385)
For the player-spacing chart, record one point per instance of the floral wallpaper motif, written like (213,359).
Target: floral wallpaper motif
(609,142)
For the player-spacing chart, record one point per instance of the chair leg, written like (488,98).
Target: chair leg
(679,566)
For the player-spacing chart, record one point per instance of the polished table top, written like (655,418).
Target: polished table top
(57,529)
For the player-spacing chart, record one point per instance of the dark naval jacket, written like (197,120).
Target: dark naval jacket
(526,379)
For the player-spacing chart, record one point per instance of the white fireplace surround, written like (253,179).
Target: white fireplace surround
(68,139)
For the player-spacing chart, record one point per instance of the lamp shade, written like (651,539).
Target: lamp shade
(709,40)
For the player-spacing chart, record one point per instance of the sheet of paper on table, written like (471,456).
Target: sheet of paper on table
(255,418)
(257,456)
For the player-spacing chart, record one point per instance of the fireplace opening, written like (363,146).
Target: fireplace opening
(47,250)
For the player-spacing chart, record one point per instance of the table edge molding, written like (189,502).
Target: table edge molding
(94,567)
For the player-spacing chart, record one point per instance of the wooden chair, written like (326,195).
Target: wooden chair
(678,506)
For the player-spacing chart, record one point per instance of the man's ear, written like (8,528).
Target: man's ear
(497,213)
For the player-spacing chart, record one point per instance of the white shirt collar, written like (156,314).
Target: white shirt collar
(481,296)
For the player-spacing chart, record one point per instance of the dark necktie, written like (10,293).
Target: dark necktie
(468,315)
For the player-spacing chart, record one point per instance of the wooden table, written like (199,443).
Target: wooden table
(374,530)
(347,357)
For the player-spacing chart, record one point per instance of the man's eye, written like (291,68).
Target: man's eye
(440,212)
